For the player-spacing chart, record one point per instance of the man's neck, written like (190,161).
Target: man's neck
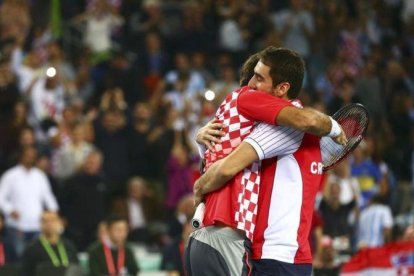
(52,239)
(114,245)
(26,166)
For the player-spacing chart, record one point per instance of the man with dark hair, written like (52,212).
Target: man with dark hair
(84,200)
(235,206)
(113,256)
(50,249)
(24,193)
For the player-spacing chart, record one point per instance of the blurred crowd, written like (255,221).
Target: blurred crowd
(100,101)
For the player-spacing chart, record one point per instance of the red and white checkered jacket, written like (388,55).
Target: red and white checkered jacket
(237,127)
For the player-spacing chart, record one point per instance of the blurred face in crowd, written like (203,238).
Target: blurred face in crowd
(228,74)
(118,232)
(136,188)
(68,115)
(78,134)
(28,157)
(93,164)
(186,206)
(334,192)
(20,110)
(153,43)
(198,60)
(113,120)
(142,112)
(181,62)
(33,60)
(54,51)
(51,224)
(26,137)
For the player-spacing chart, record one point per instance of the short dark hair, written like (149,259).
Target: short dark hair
(247,69)
(285,66)
(114,218)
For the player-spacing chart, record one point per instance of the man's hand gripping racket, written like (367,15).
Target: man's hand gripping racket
(353,119)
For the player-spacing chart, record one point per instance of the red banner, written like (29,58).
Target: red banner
(393,259)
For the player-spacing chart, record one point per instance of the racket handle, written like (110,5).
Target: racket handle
(197,221)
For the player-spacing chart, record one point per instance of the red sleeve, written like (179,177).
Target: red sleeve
(260,106)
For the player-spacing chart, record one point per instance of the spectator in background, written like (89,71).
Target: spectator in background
(368,88)
(119,77)
(173,253)
(161,140)
(47,103)
(200,65)
(111,137)
(195,84)
(50,249)
(43,164)
(8,87)
(375,224)
(27,70)
(73,154)
(325,264)
(24,192)
(179,171)
(60,134)
(399,153)
(84,201)
(366,172)
(227,81)
(139,152)
(231,36)
(15,125)
(335,215)
(349,185)
(346,95)
(84,84)
(140,207)
(56,59)
(14,18)
(100,20)
(296,26)
(7,252)
(25,138)
(151,65)
(178,100)
(114,256)
(183,213)
(113,99)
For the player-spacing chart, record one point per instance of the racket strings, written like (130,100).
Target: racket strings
(354,121)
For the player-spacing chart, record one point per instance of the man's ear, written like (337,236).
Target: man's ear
(281,90)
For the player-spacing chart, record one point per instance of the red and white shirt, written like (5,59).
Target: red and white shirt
(291,171)
(239,112)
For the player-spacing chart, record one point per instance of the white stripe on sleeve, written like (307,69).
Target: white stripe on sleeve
(270,141)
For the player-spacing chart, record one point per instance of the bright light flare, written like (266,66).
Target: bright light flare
(51,72)
(210,95)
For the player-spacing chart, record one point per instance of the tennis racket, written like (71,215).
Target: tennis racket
(354,120)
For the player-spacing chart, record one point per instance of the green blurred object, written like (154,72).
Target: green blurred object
(55,18)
